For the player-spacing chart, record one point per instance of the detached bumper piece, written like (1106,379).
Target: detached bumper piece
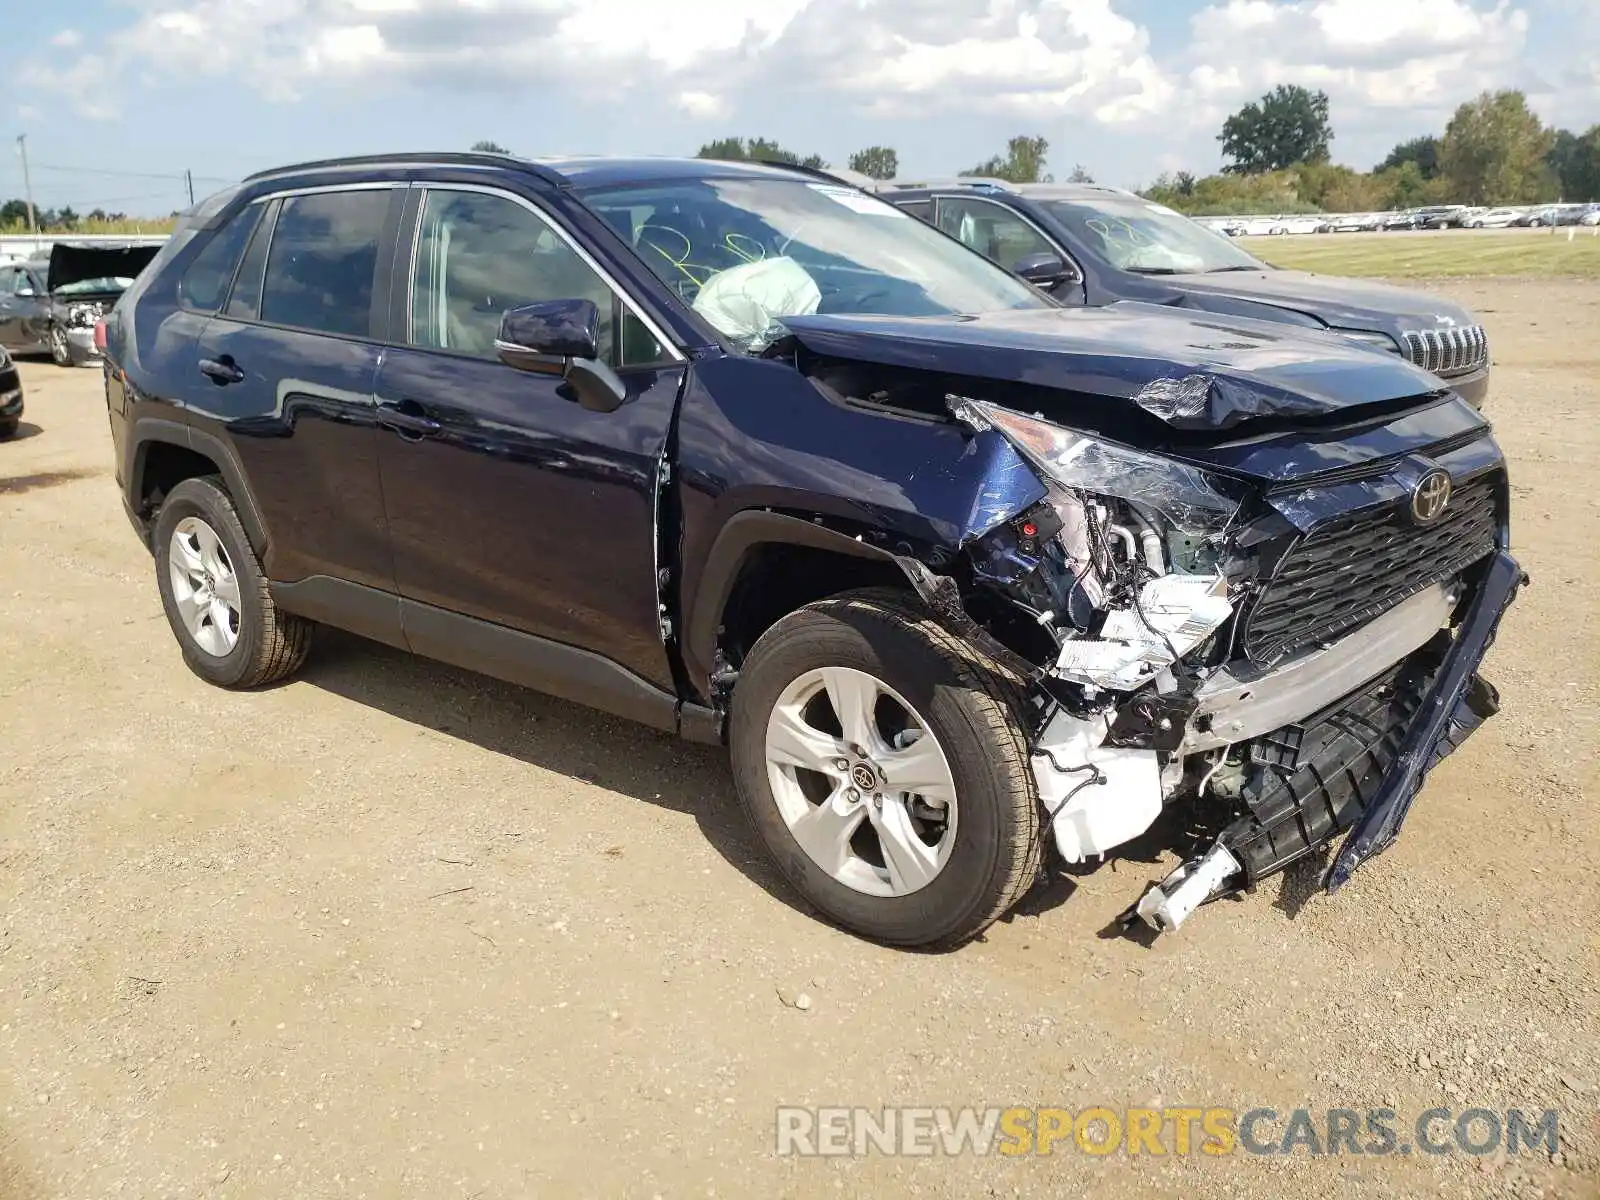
(1357,765)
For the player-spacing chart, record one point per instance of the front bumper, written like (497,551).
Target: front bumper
(80,341)
(1455,704)
(1473,387)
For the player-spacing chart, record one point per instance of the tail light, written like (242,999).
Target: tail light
(100,336)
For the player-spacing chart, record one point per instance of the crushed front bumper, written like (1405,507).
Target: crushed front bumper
(1354,766)
(1455,704)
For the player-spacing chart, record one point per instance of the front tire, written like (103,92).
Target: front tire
(215,594)
(60,348)
(884,770)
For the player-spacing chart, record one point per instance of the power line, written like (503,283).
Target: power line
(179,177)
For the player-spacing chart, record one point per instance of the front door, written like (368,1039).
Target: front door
(508,503)
(1004,237)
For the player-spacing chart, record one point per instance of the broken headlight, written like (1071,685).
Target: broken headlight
(82,316)
(1141,542)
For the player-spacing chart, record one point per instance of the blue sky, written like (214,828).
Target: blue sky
(112,91)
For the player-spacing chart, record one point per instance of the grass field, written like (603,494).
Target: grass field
(1468,253)
(142,226)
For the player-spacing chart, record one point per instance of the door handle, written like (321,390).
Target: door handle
(221,371)
(403,419)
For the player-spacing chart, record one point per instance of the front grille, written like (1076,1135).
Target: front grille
(1452,351)
(1352,568)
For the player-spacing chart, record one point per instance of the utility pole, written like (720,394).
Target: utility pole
(27,183)
(188,178)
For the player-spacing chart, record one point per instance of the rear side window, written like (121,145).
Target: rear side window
(204,285)
(244,302)
(323,258)
(921,209)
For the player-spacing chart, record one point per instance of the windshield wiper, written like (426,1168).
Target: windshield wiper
(1155,270)
(1219,270)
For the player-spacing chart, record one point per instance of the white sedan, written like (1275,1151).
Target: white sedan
(1494,218)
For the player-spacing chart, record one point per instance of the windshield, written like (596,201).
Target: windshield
(1136,235)
(745,253)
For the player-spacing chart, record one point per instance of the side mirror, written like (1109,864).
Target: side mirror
(25,292)
(1043,270)
(562,336)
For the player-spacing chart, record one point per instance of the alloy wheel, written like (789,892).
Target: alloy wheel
(861,781)
(204,587)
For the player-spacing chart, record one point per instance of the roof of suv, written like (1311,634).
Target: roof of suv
(1033,191)
(560,170)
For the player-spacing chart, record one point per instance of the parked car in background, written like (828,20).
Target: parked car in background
(1088,244)
(51,305)
(10,396)
(1349,222)
(1592,217)
(1556,214)
(1401,221)
(1441,216)
(748,455)
(1493,218)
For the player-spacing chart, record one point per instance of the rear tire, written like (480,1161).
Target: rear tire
(9,429)
(215,594)
(992,822)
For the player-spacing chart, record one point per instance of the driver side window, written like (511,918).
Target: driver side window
(993,231)
(478,255)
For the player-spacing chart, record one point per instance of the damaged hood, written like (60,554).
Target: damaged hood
(1191,371)
(1343,303)
(71,263)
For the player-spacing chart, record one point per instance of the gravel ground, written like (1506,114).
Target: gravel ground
(395,930)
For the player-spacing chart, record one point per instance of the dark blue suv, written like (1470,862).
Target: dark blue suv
(968,582)
(1089,244)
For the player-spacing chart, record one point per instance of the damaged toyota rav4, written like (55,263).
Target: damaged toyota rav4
(971,585)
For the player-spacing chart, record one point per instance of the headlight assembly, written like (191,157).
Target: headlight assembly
(1141,541)
(1378,341)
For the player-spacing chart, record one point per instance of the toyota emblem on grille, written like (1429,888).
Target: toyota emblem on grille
(1429,497)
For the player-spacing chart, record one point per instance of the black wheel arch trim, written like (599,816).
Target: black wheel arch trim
(742,534)
(148,431)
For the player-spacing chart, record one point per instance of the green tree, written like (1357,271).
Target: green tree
(487,147)
(1286,126)
(1023,162)
(877,162)
(1493,151)
(1575,162)
(14,212)
(1424,151)
(756,150)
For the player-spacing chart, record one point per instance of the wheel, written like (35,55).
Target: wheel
(882,765)
(60,349)
(215,594)
(8,429)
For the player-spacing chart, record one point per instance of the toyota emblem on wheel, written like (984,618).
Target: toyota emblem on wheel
(1429,497)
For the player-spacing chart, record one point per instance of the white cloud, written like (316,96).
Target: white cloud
(1421,56)
(1392,68)
(702,106)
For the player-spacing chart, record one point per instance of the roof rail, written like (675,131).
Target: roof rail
(974,181)
(465,158)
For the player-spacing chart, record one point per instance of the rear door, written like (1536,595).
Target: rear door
(510,507)
(284,374)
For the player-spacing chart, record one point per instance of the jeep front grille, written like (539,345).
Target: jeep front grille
(1354,567)
(1451,351)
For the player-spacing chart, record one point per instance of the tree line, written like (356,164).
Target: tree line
(1493,151)
(14,218)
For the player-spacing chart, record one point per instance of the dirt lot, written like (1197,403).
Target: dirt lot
(394,930)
